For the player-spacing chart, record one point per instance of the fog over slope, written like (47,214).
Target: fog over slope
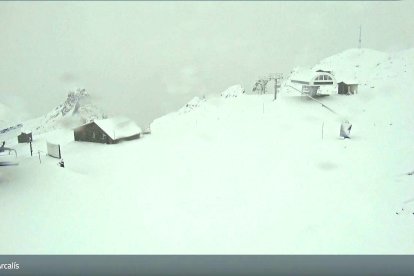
(145,59)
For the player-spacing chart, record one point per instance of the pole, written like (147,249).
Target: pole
(277,77)
(31,149)
(322,129)
(40,160)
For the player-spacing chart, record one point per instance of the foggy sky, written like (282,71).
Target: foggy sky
(144,59)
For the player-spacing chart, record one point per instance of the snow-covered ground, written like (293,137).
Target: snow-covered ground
(232,175)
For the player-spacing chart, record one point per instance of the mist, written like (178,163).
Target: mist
(145,59)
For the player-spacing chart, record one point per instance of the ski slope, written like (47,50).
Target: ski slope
(232,175)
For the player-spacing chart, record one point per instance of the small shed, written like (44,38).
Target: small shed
(24,137)
(108,131)
(347,87)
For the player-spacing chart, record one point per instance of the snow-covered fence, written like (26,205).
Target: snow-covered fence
(53,150)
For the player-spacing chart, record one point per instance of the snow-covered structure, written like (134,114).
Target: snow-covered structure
(315,82)
(348,87)
(322,82)
(108,131)
(53,150)
(261,85)
(345,130)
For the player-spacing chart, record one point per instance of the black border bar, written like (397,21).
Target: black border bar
(207,265)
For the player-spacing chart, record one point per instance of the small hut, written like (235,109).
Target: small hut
(24,137)
(108,131)
(347,87)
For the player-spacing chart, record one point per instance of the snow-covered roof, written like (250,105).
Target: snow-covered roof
(303,74)
(119,127)
(348,81)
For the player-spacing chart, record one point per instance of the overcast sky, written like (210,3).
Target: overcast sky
(144,59)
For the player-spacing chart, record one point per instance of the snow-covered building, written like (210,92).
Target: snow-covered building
(108,131)
(312,82)
(348,87)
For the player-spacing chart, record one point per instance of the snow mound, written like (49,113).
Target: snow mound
(233,91)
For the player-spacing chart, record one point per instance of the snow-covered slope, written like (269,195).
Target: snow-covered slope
(361,65)
(240,175)
(195,103)
(77,109)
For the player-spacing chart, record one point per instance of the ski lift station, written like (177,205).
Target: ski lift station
(322,83)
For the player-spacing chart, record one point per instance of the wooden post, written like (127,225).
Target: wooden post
(275,89)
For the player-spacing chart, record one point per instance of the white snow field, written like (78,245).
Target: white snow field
(232,175)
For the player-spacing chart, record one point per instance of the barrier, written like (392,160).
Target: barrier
(53,150)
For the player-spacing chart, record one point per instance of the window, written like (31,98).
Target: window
(103,136)
(93,135)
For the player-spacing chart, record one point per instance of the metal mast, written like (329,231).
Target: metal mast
(277,77)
